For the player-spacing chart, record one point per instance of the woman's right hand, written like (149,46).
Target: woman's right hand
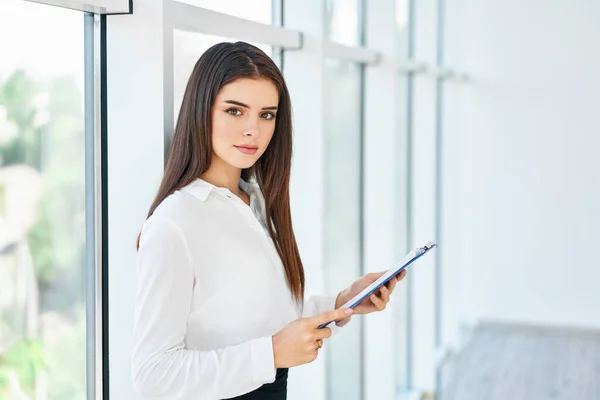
(298,344)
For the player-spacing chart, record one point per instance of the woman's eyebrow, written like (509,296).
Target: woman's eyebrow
(238,103)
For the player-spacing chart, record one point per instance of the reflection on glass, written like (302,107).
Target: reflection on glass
(343,21)
(255,10)
(188,47)
(42,203)
(342,217)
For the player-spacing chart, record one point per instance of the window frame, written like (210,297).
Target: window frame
(96,206)
(100,7)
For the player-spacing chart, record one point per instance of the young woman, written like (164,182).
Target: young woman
(219,306)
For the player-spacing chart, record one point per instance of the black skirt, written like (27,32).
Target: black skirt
(270,391)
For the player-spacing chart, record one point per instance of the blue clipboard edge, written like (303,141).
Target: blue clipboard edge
(423,250)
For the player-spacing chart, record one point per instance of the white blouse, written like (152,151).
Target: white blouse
(211,292)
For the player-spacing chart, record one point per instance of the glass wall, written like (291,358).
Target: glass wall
(42,203)
(343,214)
(343,21)
(423,171)
(403,23)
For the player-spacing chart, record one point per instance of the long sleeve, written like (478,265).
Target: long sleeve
(161,364)
(316,305)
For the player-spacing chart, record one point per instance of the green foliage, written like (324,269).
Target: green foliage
(50,125)
(40,241)
(17,94)
(26,359)
(67,356)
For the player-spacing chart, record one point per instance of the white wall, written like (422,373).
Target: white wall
(530,172)
(135,165)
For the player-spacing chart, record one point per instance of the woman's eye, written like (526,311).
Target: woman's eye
(268,115)
(233,111)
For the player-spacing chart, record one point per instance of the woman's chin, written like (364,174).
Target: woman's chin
(243,163)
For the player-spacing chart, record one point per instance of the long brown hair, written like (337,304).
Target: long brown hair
(190,153)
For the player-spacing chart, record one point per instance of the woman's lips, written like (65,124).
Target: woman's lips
(246,149)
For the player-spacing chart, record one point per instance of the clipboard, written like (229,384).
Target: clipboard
(410,258)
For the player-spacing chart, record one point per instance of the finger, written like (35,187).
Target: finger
(377,302)
(401,275)
(335,315)
(384,294)
(392,284)
(322,333)
(316,345)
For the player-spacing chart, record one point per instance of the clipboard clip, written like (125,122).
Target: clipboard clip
(428,246)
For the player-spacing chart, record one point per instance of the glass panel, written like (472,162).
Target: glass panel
(255,10)
(402,28)
(423,226)
(402,329)
(451,222)
(343,21)
(187,49)
(425,44)
(401,217)
(342,217)
(42,203)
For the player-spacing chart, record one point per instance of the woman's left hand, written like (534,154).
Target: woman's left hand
(377,301)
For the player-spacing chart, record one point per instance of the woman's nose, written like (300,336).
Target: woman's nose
(251,128)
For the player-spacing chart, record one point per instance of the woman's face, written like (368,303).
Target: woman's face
(243,121)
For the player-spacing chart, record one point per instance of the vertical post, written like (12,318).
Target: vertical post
(93,26)
(136,119)
(438,195)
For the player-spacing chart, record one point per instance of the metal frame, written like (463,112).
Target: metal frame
(409,191)
(102,7)
(439,134)
(168,60)
(190,18)
(95,207)
(101,182)
(362,6)
(408,66)
(350,53)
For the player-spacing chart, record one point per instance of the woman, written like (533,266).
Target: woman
(220,309)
